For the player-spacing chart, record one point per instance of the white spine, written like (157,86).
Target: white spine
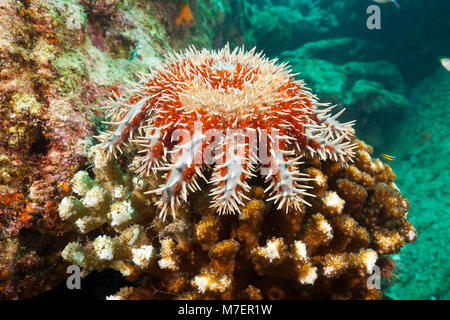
(285,177)
(112,139)
(340,151)
(228,193)
(185,156)
(147,161)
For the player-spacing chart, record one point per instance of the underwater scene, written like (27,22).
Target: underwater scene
(224,149)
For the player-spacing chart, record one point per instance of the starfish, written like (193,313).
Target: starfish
(236,113)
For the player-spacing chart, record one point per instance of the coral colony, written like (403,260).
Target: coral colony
(232,112)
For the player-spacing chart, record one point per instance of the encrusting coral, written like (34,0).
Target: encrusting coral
(327,249)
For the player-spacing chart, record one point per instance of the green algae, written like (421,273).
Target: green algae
(71,68)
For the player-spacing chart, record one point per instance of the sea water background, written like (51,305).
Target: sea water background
(391,81)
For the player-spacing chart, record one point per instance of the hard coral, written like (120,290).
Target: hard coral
(325,251)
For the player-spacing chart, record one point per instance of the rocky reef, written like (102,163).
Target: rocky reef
(58,58)
(367,71)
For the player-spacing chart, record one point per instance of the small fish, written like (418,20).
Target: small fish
(387,1)
(388,157)
(445,63)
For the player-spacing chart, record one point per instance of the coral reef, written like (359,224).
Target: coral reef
(60,57)
(325,251)
(205,23)
(40,133)
(327,248)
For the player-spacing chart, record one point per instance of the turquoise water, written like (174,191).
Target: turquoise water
(382,64)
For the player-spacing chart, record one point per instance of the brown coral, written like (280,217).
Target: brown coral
(328,250)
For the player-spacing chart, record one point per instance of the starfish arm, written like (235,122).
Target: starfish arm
(317,141)
(181,177)
(285,187)
(152,150)
(336,128)
(126,119)
(230,177)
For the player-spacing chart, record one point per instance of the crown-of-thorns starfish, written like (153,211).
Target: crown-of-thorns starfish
(225,90)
